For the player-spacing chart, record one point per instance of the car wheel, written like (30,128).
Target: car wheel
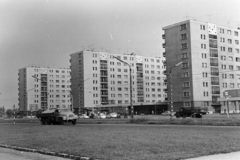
(43,121)
(74,122)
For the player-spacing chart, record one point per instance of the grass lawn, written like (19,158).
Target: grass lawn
(124,141)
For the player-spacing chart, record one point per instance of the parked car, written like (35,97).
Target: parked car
(83,116)
(113,115)
(168,113)
(101,115)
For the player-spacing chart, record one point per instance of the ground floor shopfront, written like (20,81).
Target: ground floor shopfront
(138,109)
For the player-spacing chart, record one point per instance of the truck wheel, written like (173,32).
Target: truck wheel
(48,121)
(61,122)
(43,121)
(74,122)
(193,116)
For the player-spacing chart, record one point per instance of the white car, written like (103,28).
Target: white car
(101,115)
(112,115)
(83,116)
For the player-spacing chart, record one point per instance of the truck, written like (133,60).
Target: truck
(190,112)
(57,116)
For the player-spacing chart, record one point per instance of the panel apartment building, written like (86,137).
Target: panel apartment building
(50,88)
(101,81)
(210,63)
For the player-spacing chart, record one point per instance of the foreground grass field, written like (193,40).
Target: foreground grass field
(124,141)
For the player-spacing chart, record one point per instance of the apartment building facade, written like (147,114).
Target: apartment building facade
(101,81)
(49,89)
(210,63)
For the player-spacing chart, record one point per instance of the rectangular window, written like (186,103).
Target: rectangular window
(183,36)
(230,50)
(186,84)
(186,94)
(235,33)
(184,75)
(230,67)
(229,32)
(237,42)
(184,55)
(183,26)
(185,65)
(237,50)
(184,46)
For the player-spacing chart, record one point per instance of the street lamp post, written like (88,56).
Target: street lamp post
(27,99)
(130,69)
(171,92)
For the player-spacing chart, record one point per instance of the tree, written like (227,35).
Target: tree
(9,113)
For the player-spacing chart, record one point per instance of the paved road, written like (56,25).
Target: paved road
(10,154)
(227,156)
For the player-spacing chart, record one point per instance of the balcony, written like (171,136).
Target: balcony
(213,46)
(213,64)
(164,54)
(214,83)
(163,36)
(164,45)
(165,72)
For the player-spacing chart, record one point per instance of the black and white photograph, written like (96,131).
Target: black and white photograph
(119,79)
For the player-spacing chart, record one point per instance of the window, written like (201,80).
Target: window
(183,26)
(184,75)
(183,36)
(230,58)
(205,84)
(229,41)
(229,32)
(238,68)
(222,48)
(186,94)
(204,55)
(185,65)
(222,39)
(186,84)
(221,30)
(184,55)
(125,58)
(237,42)
(231,85)
(205,74)
(203,36)
(202,27)
(184,46)
(230,67)
(204,65)
(230,50)
(235,33)
(231,76)
(237,50)
(187,104)
(223,58)
(203,46)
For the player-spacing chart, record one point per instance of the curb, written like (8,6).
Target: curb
(63,155)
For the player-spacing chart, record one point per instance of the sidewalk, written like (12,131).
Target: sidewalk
(223,156)
(11,154)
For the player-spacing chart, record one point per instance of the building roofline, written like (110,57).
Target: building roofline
(190,20)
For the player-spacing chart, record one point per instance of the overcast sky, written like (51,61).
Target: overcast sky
(45,32)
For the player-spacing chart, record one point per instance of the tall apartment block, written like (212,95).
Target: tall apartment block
(101,81)
(50,88)
(210,63)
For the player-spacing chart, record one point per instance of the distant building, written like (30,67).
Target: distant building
(210,59)
(100,81)
(50,88)
(230,102)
